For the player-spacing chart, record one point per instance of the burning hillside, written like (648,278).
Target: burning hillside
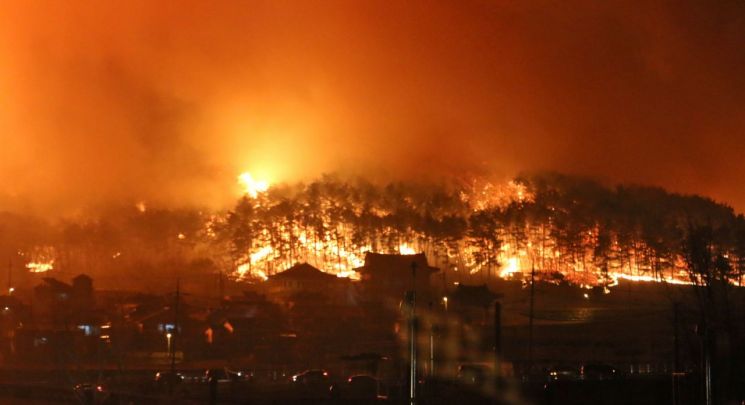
(563,228)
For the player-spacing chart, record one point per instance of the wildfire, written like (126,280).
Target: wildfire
(261,254)
(244,270)
(252,187)
(40,267)
(42,259)
(646,278)
(352,275)
(405,249)
(512,266)
(317,229)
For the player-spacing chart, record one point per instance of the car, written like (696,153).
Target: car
(597,372)
(226,375)
(163,378)
(316,376)
(90,393)
(312,384)
(219,374)
(361,387)
(473,374)
(563,373)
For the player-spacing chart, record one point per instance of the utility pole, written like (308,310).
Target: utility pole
(707,365)
(431,343)
(221,286)
(175,335)
(676,338)
(497,340)
(530,318)
(676,354)
(10,277)
(412,337)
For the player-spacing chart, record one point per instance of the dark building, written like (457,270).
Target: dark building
(305,280)
(81,294)
(472,303)
(472,296)
(247,326)
(61,305)
(386,275)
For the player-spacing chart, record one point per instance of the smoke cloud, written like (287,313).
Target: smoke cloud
(167,103)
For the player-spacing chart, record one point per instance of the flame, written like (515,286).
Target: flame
(261,254)
(405,249)
(646,278)
(352,275)
(243,272)
(247,268)
(40,267)
(42,259)
(511,267)
(252,187)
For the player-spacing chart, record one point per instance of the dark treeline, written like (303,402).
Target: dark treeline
(564,227)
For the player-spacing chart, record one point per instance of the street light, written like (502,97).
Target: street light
(168,338)
(445,302)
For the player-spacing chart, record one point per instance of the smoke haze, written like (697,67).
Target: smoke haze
(167,103)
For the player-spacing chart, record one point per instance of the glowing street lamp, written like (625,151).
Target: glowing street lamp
(445,302)
(168,338)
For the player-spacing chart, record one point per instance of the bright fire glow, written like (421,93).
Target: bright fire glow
(646,278)
(405,249)
(42,259)
(261,254)
(40,267)
(252,187)
(352,275)
(511,266)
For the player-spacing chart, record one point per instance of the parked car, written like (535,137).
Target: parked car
(91,393)
(597,372)
(311,377)
(473,374)
(225,375)
(164,378)
(312,384)
(563,373)
(361,387)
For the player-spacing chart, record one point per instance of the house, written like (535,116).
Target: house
(62,305)
(472,296)
(385,275)
(303,280)
(242,324)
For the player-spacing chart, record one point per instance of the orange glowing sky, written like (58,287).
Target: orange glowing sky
(169,101)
